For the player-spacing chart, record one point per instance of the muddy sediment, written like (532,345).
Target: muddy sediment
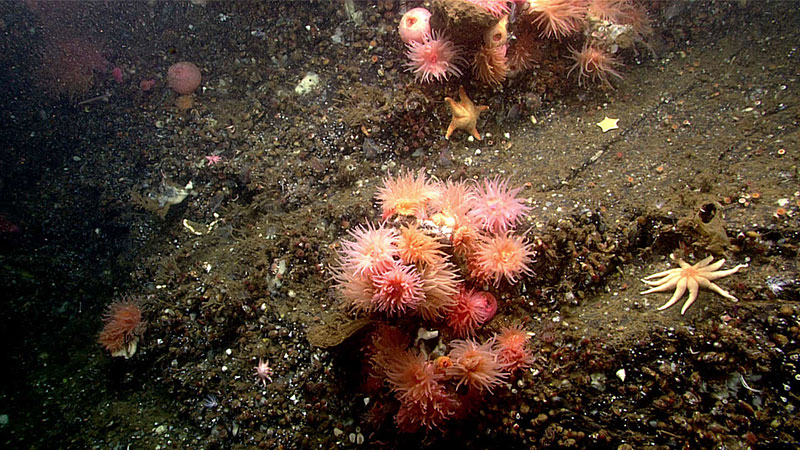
(231,259)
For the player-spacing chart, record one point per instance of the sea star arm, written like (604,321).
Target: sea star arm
(694,288)
(663,277)
(474,130)
(723,273)
(475,134)
(680,288)
(713,267)
(450,129)
(719,290)
(700,264)
(663,284)
(450,102)
(462,94)
(455,108)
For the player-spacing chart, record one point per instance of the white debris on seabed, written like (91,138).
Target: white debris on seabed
(307,84)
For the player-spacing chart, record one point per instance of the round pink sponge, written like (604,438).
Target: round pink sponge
(184,77)
(415,25)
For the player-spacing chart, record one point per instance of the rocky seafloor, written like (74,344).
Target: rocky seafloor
(705,162)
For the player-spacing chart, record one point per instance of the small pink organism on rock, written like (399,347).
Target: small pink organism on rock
(472,309)
(263,372)
(501,256)
(122,327)
(397,289)
(496,207)
(146,85)
(184,77)
(614,11)
(372,250)
(418,386)
(435,58)
(415,25)
(407,195)
(212,159)
(557,18)
(512,349)
(475,365)
(496,8)
(594,64)
(116,74)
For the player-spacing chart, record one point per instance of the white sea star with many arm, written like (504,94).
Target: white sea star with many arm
(690,277)
(263,372)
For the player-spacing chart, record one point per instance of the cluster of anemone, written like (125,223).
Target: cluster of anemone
(433,388)
(607,26)
(410,264)
(508,38)
(440,255)
(433,56)
(424,285)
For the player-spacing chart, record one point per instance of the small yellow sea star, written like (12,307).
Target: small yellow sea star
(608,124)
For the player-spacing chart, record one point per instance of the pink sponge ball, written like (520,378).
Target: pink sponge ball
(415,25)
(184,77)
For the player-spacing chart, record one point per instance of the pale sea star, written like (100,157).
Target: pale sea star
(692,278)
(213,159)
(263,372)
